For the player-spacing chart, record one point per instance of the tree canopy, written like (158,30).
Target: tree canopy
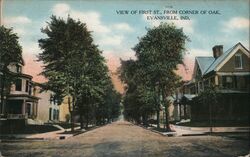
(10,53)
(75,67)
(158,54)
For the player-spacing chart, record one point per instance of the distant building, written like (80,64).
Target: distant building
(229,73)
(48,108)
(64,114)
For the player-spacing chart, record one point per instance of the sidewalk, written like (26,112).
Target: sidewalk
(196,131)
(191,131)
(53,135)
(59,134)
(186,132)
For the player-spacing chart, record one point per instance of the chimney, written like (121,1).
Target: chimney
(217,51)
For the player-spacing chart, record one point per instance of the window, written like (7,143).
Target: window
(238,61)
(50,113)
(28,109)
(18,85)
(18,68)
(27,86)
(30,89)
(54,114)
(229,79)
(229,82)
(57,117)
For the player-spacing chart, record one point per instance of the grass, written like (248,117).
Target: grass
(28,129)
(217,124)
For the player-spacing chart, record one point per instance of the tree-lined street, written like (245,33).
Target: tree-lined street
(121,139)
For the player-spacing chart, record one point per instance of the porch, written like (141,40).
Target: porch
(21,107)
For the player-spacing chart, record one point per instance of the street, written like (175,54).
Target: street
(122,139)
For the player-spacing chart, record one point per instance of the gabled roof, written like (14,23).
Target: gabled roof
(220,59)
(204,63)
(209,64)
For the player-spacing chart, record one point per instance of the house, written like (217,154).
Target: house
(27,102)
(183,95)
(48,108)
(64,115)
(21,102)
(229,73)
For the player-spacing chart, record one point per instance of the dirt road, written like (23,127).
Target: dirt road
(122,139)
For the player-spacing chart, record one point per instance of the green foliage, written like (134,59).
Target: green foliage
(10,49)
(152,76)
(74,66)
(209,96)
(10,53)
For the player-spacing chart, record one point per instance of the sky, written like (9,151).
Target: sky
(116,34)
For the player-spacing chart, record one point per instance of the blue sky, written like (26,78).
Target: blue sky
(117,34)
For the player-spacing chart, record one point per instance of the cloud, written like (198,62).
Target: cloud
(91,18)
(187,25)
(17,20)
(123,27)
(114,40)
(189,58)
(31,48)
(235,23)
(192,53)
(19,31)
(61,9)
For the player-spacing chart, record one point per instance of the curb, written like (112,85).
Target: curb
(59,137)
(169,134)
(215,129)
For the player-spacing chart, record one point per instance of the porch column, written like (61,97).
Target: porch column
(180,110)
(36,109)
(23,107)
(216,80)
(33,109)
(185,112)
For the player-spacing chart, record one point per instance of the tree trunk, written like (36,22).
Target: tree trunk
(166,104)
(185,110)
(2,94)
(81,120)
(158,108)
(71,114)
(87,119)
(167,126)
(158,118)
(81,112)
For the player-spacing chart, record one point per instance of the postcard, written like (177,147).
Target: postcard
(124,78)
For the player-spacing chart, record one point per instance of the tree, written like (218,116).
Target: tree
(158,54)
(64,56)
(209,100)
(75,67)
(160,51)
(139,101)
(10,53)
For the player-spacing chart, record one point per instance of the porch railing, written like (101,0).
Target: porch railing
(17,116)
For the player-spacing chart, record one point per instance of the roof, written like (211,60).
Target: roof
(220,59)
(189,96)
(21,96)
(209,64)
(204,63)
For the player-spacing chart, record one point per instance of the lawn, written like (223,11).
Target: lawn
(217,124)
